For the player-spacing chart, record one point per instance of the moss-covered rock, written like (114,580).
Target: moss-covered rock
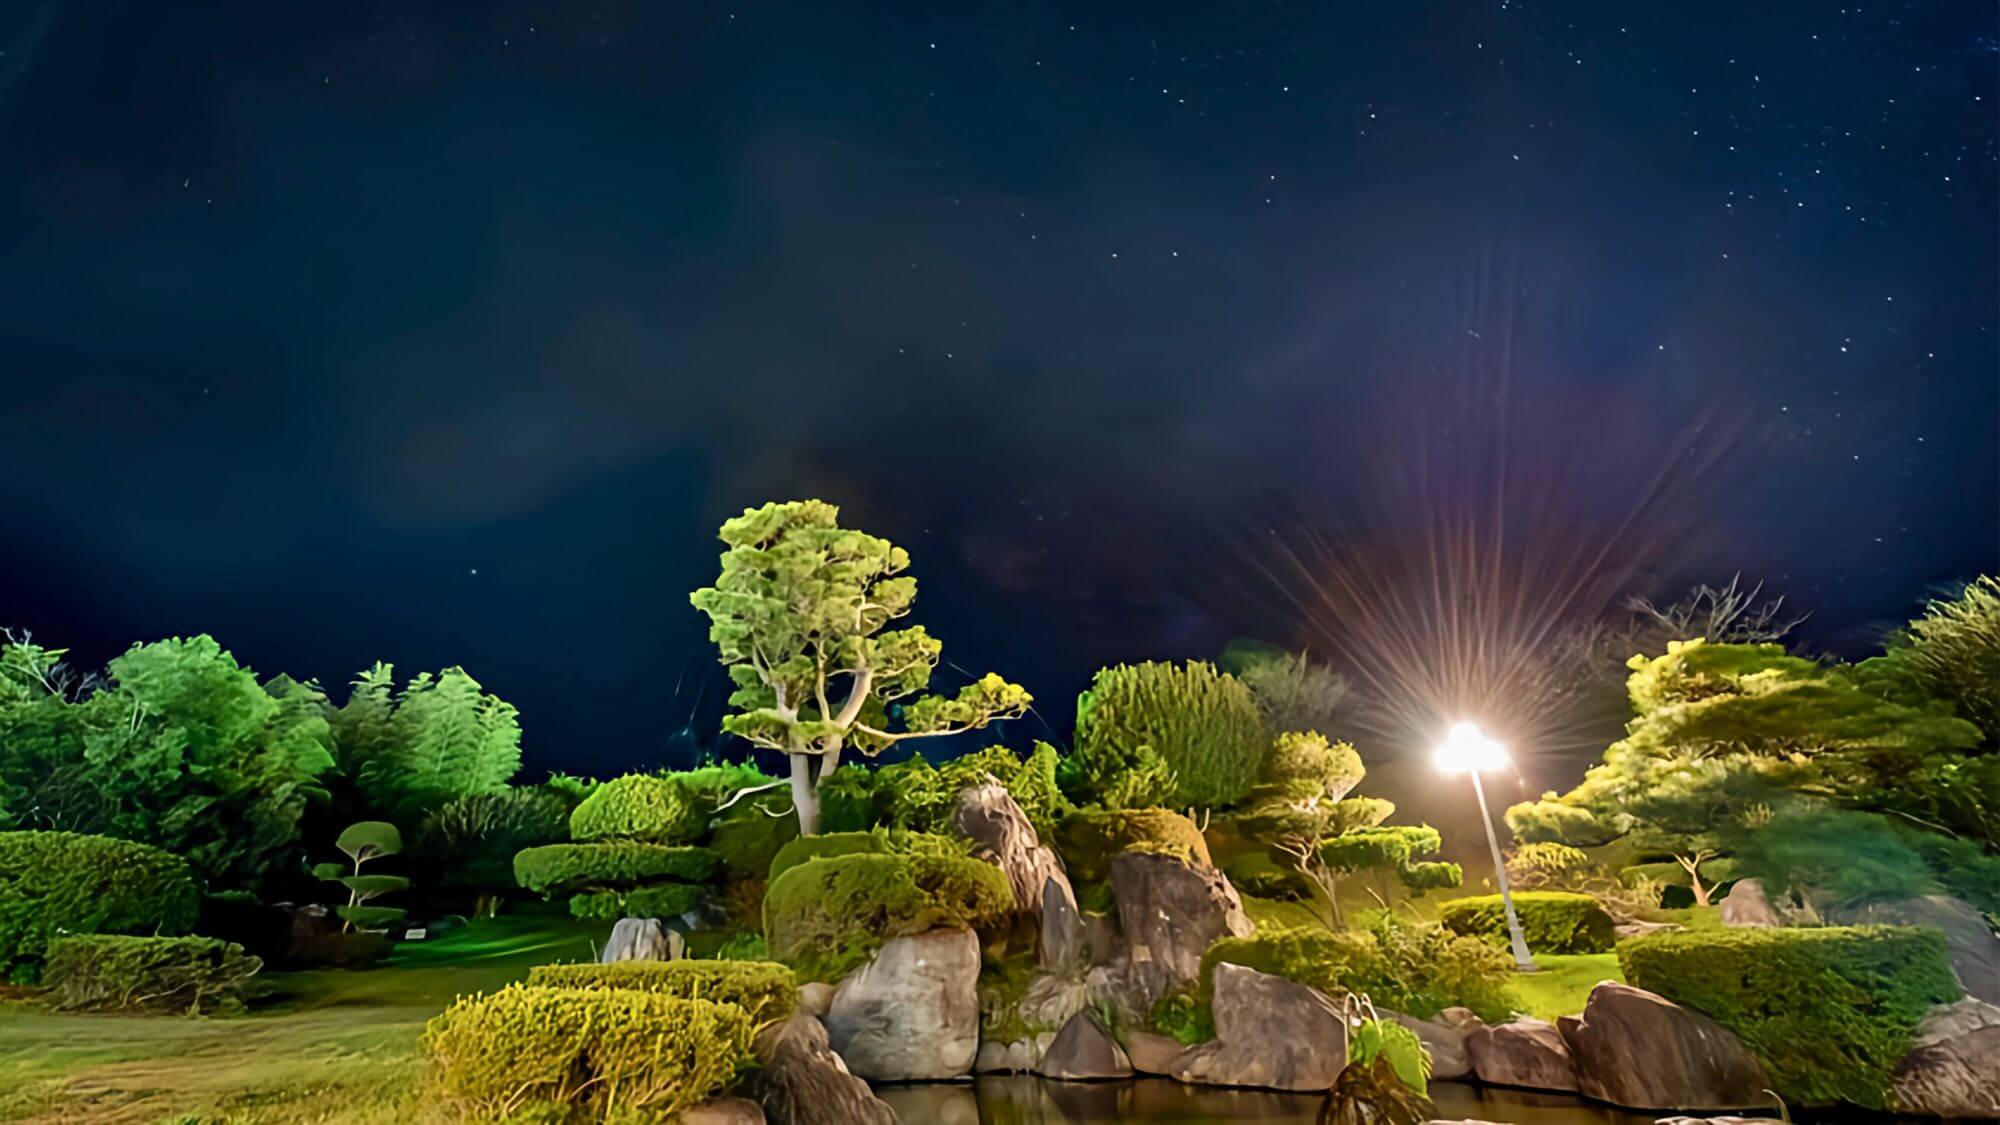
(1091,838)
(826,916)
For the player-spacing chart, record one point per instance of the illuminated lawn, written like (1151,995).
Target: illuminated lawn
(1564,983)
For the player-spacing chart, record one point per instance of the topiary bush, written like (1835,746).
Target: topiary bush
(569,867)
(1828,1011)
(1091,838)
(1198,725)
(827,846)
(117,972)
(644,807)
(661,900)
(1552,921)
(610,1053)
(825,917)
(65,883)
(765,990)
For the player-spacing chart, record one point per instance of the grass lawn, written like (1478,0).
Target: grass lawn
(1564,983)
(335,1045)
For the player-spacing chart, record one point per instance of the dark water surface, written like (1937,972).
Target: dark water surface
(1033,1101)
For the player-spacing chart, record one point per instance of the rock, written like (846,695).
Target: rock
(1464,1019)
(1636,1049)
(1746,904)
(1017,1057)
(1969,941)
(912,1013)
(1953,1068)
(1149,1052)
(1169,912)
(724,1111)
(641,939)
(1445,1042)
(989,815)
(815,997)
(1269,1032)
(1528,1053)
(803,1082)
(1640,929)
(1084,1051)
(1100,935)
(1721,1119)
(1061,942)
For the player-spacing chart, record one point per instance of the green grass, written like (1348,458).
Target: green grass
(333,1045)
(1563,984)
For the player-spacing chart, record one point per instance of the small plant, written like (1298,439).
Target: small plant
(114,972)
(361,842)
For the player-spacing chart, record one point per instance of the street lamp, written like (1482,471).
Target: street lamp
(1466,749)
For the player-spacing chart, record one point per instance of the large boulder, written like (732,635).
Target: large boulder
(1150,1052)
(1083,1050)
(1169,912)
(1746,904)
(1269,1032)
(1527,1053)
(990,816)
(641,939)
(724,1111)
(1953,1068)
(1444,1041)
(912,1013)
(1017,1056)
(801,1081)
(1640,1050)
(1969,940)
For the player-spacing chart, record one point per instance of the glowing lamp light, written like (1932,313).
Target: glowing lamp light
(1467,749)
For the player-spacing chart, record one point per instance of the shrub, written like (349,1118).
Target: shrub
(1552,921)
(765,990)
(569,867)
(827,916)
(1258,875)
(827,846)
(661,900)
(1304,761)
(109,972)
(1200,724)
(1091,838)
(1829,1012)
(61,882)
(748,837)
(655,810)
(921,797)
(471,841)
(1416,969)
(608,1052)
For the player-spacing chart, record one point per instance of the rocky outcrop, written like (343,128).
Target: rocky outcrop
(1973,950)
(1953,1068)
(1084,1051)
(1528,1053)
(1169,912)
(815,997)
(1269,1032)
(1639,1050)
(642,939)
(1016,1057)
(1444,1041)
(724,1111)
(990,816)
(912,1013)
(1746,904)
(1150,1052)
(801,1081)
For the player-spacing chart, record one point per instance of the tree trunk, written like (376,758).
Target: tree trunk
(805,793)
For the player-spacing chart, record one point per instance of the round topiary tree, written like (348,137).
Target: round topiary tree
(1167,734)
(629,857)
(361,842)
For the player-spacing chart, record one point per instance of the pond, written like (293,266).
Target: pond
(1011,1100)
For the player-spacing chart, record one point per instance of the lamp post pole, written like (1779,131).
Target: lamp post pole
(1518,941)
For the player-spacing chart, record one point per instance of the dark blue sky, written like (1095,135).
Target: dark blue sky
(447,334)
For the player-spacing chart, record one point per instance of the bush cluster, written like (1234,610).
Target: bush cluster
(116,972)
(827,916)
(1185,735)
(1092,838)
(567,867)
(643,807)
(765,990)
(921,797)
(1828,1011)
(1418,970)
(1552,921)
(607,1052)
(660,900)
(64,883)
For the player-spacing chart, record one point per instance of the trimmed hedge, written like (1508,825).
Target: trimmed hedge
(1828,1011)
(765,990)
(1091,838)
(615,1054)
(638,806)
(1416,969)
(1552,921)
(827,916)
(567,867)
(63,882)
(115,972)
(661,900)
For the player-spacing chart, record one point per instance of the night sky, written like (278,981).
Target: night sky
(447,335)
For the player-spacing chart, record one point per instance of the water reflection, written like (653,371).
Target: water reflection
(1013,1100)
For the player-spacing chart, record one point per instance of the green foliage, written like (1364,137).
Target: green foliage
(1092,838)
(655,900)
(1552,921)
(1292,691)
(1954,651)
(1416,969)
(55,883)
(1183,1016)
(441,738)
(827,846)
(799,615)
(361,842)
(749,835)
(638,806)
(1257,874)
(826,916)
(1829,1012)
(368,839)
(1305,763)
(1393,848)
(601,1054)
(1201,725)
(106,972)
(558,868)
(471,841)
(370,919)
(922,797)
(1373,1039)
(765,990)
